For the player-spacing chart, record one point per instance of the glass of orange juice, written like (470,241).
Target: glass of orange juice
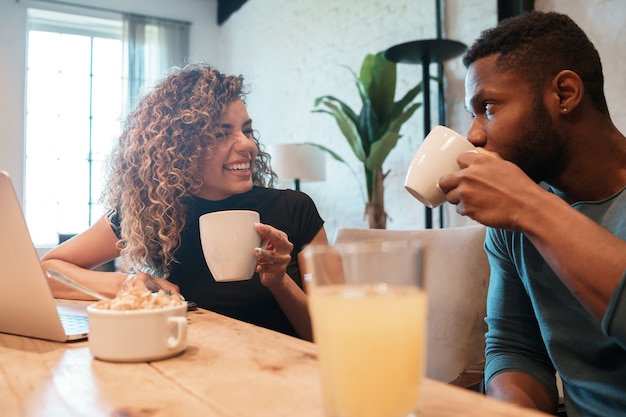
(368,309)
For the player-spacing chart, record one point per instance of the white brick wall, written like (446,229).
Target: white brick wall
(291,52)
(603,21)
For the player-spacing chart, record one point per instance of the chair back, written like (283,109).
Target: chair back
(456,271)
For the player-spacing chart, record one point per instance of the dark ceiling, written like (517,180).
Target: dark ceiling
(227,7)
(506,8)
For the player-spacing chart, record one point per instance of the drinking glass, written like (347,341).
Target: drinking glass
(368,308)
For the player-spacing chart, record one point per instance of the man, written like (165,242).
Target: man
(549,180)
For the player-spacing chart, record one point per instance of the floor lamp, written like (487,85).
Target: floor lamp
(425,52)
(298,162)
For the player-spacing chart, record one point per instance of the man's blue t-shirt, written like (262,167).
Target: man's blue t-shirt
(536,325)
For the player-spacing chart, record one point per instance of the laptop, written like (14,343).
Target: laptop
(27,307)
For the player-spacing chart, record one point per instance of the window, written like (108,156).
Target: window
(82,74)
(75,90)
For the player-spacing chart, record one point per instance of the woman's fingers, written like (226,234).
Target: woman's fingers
(274,239)
(272,260)
(147,281)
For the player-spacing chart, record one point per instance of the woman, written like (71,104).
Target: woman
(189,149)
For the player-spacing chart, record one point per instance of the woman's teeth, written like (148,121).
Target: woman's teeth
(238,167)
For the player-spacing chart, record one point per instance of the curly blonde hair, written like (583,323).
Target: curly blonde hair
(155,165)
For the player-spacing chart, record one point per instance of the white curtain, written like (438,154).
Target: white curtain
(151,47)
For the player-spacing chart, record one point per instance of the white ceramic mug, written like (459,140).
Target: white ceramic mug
(137,335)
(435,157)
(229,240)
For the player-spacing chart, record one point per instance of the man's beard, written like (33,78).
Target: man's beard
(539,149)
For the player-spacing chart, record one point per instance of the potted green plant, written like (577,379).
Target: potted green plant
(374,131)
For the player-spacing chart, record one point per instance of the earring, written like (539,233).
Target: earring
(564,109)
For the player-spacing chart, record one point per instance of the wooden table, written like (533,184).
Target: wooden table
(230,368)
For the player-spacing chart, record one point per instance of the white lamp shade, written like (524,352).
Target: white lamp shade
(292,161)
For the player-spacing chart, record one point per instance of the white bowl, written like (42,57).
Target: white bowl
(137,335)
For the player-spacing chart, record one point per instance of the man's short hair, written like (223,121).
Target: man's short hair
(536,46)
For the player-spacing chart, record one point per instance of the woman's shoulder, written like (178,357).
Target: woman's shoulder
(113,218)
(261,199)
(288,196)
(280,192)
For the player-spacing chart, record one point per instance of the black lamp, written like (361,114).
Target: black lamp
(425,52)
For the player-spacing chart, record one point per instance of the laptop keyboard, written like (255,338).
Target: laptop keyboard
(74,323)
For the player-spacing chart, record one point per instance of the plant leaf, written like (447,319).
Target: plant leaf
(322,111)
(379,78)
(359,84)
(332,153)
(365,76)
(346,109)
(368,125)
(374,132)
(337,157)
(348,128)
(399,106)
(380,150)
(397,123)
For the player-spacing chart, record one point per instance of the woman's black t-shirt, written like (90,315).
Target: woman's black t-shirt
(291,211)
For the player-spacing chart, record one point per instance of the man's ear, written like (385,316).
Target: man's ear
(568,91)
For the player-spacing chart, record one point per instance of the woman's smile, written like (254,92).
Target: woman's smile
(239,167)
